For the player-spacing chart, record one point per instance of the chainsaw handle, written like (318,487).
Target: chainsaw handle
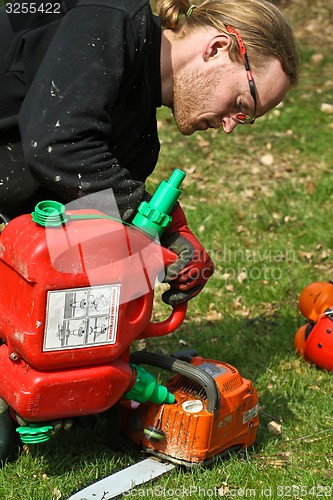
(195,373)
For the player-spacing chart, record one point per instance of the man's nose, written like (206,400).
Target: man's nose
(228,124)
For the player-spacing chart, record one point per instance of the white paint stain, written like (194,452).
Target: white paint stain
(54,89)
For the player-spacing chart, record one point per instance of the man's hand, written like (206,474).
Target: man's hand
(189,273)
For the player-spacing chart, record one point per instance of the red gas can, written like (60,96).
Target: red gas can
(73,298)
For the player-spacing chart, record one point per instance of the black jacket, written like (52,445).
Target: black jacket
(83,83)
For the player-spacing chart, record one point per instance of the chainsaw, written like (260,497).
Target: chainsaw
(76,290)
(212,413)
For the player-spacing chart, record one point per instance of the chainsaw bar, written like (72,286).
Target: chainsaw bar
(124,480)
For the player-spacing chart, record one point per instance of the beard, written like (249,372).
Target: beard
(191,91)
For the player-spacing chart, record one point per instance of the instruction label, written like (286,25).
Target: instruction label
(212,369)
(81,317)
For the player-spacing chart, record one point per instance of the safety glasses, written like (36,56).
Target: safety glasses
(248,104)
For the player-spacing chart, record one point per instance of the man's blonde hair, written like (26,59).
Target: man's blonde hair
(265,31)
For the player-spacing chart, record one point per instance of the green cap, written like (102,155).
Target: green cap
(34,433)
(49,213)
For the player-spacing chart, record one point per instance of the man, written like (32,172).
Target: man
(81,81)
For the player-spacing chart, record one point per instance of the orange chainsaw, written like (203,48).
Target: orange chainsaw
(213,412)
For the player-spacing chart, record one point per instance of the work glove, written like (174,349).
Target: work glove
(189,273)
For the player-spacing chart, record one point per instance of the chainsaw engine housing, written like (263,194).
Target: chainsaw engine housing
(204,422)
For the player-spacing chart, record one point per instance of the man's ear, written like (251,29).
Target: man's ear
(215,45)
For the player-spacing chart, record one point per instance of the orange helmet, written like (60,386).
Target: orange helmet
(314,342)
(300,338)
(315,299)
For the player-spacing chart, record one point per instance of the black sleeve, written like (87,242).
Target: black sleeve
(66,119)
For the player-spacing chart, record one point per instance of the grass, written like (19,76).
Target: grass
(260,200)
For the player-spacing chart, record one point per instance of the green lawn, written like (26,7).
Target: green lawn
(261,202)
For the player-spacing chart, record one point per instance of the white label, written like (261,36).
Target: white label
(250,414)
(81,317)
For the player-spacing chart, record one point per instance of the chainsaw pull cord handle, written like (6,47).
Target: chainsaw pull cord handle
(192,372)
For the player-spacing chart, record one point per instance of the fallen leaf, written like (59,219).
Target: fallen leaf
(236,304)
(267,159)
(190,170)
(305,255)
(56,494)
(274,428)
(241,277)
(203,143)
(278,463)
(223,491)
(326,108)
(226,276)
(213,316)
(317,58)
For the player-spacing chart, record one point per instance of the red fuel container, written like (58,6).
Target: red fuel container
(72,300)
(75,294)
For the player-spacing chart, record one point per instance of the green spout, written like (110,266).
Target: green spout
(146,388)
(154,216)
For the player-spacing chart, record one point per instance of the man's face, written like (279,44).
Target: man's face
(213,100)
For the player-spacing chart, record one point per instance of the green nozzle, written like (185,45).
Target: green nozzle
(154,216)
(146,388)
(34,433)
(49,213)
